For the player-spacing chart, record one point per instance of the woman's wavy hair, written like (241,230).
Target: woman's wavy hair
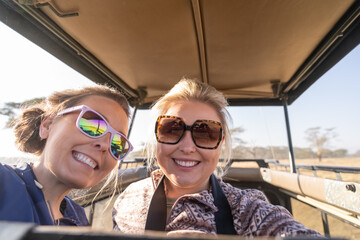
(194,90)
(27,125)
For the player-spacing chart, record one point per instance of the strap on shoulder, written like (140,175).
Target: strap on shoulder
(223,217)
(156,218)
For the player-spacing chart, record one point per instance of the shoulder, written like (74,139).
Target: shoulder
(9,178)
(15,202)
(130,208)
(135,190)
(141,187)
(6,170)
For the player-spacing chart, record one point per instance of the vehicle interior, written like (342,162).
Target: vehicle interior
(257,53)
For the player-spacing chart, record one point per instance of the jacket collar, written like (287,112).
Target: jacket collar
(213,198)
(205,197)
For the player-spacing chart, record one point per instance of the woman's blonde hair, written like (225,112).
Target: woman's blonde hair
(193,90)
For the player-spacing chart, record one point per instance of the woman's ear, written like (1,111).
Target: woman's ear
(45,127)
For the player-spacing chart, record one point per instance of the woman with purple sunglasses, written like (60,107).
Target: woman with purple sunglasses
(186,194)
(79,137)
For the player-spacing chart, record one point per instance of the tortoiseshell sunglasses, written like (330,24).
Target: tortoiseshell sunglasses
(206,134)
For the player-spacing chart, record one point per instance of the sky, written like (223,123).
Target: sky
(27,72)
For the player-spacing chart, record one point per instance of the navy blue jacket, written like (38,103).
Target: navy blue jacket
(22,201)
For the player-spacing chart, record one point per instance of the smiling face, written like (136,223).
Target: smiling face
(187,167)
(74,159)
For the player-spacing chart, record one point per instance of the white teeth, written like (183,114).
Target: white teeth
(186,163)
(84,159)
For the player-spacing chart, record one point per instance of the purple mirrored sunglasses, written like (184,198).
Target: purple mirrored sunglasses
(94,125)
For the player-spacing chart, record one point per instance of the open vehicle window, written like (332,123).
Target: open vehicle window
(28,73)
(325,110)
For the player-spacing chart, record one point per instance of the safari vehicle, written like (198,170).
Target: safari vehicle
(258,53)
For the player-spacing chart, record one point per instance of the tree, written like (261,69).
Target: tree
(319,139)
(252,149)
(10,109)
(238,149)
(235,136)
(357,153)
(304,152)
(339,153)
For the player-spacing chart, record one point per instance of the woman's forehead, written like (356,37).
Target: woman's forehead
(111,110)
(191,111)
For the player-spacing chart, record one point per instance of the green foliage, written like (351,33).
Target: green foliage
(10,109)
(336,153)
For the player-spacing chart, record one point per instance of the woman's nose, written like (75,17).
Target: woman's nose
(186,143)
(102,143)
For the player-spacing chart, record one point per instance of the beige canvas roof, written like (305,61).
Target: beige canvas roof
(248,49)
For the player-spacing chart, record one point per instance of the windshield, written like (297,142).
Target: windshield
(327,109)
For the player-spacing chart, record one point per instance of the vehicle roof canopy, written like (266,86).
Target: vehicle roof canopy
(255,52)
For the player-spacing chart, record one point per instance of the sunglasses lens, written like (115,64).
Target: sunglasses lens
(92,124)
(170,130)
(206,134)
(119,146)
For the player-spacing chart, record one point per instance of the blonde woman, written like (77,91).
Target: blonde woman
(184,195)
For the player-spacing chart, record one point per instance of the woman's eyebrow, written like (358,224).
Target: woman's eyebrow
(110,124)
